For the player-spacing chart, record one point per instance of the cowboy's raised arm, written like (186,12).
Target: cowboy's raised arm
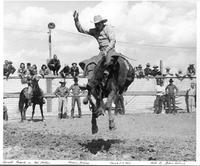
(78,25)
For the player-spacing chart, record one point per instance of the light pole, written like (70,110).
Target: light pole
(51,26)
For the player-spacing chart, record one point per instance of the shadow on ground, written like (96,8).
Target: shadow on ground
(95,146)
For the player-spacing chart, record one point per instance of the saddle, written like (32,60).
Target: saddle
(121,67)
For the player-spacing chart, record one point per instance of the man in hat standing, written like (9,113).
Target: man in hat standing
(171,90)
(190,98)
(74,70)
(62,93)
(160,92)
(76,91)
(106,40)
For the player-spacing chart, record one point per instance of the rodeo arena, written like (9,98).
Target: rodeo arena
(121,114)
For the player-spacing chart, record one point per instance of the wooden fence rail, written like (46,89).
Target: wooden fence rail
(128,93)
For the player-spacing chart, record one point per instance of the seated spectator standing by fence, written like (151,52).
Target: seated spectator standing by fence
(74,70)
(180,75)
(65,71)
(190,98)
(44,70)
(167,72)
(8,68)
(191,72)
(147,71)
(54,64)
(22,73)
(155,71)
(171,91)
(76,91)
(62,93)
(140,72)
(160,95)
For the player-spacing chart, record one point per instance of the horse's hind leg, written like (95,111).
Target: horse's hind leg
(33,111)
(41,109)
(109,107)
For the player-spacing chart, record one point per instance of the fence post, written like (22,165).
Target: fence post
(49,90)
(161,66)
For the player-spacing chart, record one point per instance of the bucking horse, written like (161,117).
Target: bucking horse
(37,98)
(121,76)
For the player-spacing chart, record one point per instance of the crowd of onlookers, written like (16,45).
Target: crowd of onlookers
(152,72)
(53,66)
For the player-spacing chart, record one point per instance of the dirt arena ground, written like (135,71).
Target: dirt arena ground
(138,137)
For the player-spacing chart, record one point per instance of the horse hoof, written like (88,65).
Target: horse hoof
(94,129)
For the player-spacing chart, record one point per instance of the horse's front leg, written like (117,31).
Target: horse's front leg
(33,111)
(94,118)
(109,108)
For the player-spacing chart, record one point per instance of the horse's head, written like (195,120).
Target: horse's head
(35,85)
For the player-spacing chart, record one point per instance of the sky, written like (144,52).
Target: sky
(145,31)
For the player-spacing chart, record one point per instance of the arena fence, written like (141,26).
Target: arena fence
(139,97)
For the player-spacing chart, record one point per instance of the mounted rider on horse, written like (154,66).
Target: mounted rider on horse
(106,40)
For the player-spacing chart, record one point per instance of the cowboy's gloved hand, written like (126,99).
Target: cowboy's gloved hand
(75,15)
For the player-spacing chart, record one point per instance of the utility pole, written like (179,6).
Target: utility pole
(49,81)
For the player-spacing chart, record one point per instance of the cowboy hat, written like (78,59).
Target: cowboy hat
(155,66)
(148,64)
(171,80)
(98,18)
(74,63)
(139,66)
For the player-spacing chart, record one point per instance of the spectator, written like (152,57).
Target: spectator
(34,69)
(28,67)
(65,71)
(22,73)
(191,71)
(8,68)
(155,71)
(62,93)
(170,91)
(160,95)
(44,70)
(180,75)
(74,70)
(190,98)
(76,91)
(140,72)
(167,72)
(54,65)
(5,112)
(147,70)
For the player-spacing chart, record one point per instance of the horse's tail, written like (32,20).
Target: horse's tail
(21,100)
